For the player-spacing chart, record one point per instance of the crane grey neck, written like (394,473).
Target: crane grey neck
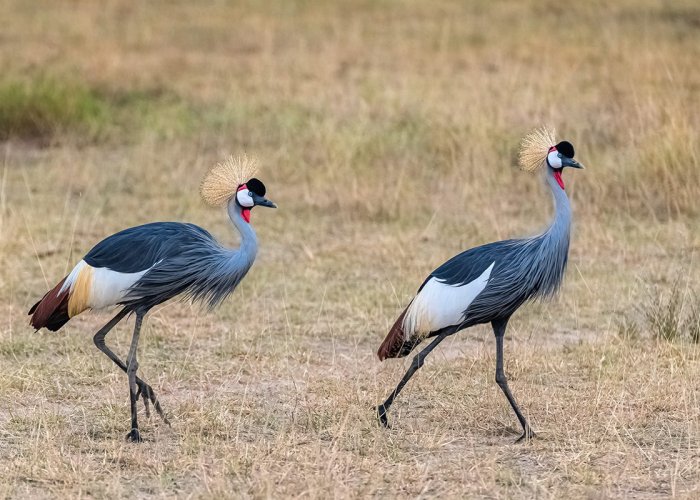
(561,225)
(249,241)
(553,245)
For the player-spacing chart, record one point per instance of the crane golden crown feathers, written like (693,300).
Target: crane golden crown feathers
(223,179)
(534,148)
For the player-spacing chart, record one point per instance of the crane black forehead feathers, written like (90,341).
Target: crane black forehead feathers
(566,148)
(256,186)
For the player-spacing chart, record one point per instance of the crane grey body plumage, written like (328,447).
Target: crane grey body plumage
(486,284)
(188,262)
(143,266)
(523,269)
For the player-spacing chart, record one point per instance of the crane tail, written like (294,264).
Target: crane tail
(51,311)
(395,344)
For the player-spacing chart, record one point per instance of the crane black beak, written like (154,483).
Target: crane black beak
(570,162)
(262,201)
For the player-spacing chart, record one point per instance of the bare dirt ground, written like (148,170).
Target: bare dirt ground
(387,134)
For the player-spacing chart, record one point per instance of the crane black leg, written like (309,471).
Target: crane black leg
(499,329)
(132,365)
(144,390)
(417,362)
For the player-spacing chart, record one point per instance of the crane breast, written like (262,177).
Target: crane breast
(439,305)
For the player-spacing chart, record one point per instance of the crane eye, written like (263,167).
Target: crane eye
(250,193)
(559,155)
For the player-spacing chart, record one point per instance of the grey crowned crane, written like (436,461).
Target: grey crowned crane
(487,284)
(141,267)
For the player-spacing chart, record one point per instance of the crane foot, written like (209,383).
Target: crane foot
(528,434)
(381,416)
(134,436)
(147,394)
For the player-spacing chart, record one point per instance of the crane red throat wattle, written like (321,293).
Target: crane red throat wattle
(245,212)
(557,172)
(557,177)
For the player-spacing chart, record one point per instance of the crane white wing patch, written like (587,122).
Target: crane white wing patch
(97,287)
(109,287)
(439,305)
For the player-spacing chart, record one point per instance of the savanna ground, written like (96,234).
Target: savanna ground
(387,133)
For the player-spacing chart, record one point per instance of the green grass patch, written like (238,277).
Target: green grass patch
(42,108)
(48,109)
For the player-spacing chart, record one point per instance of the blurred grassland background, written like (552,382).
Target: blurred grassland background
(387,133)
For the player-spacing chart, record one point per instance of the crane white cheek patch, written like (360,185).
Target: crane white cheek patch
(439,305)
(244,198)
(553,159)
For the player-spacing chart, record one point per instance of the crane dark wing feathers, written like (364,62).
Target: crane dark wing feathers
(181,259)
(523,269)
(139,248)
(468,265)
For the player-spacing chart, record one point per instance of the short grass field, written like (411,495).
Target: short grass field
(387,132)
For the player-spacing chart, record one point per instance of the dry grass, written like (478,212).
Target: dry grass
(387,133)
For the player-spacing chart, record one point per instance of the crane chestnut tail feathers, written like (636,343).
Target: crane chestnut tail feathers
(51,312)
(395,345)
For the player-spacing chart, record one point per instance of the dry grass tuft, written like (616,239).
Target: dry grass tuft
(673,314)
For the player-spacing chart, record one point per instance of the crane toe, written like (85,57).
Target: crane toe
(147,394)
(134,436)
(527,436)
(381,416)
